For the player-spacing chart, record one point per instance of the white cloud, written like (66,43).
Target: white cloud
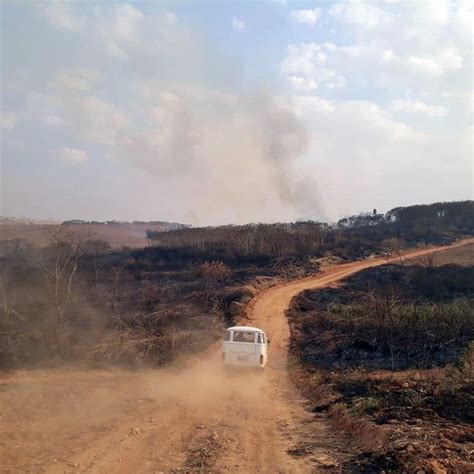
(462,100)
(71,155)
(390,50)
(335,81)
(388,55)
(118,26)
(354,124)
(361,14)
(170,17)
(302,84)
(308,17)
(433,13)
(127,21)
(53,120)
(417,107)
(93,119)
(72,82)
(450,59)
(307,105)
(79,80)
(8,121)
(308,63)
(425,65)
(238,24)
(61,15)
(367,157)
(120,29)
(443,62)
(465,15)
(98,121)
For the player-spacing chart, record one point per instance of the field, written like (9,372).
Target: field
(116,235)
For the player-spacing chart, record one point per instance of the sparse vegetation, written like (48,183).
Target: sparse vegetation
(385,332)
(390,350)
(77,298)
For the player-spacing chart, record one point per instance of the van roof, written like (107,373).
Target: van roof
(244,328)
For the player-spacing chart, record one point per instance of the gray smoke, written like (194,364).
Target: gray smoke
(234,156)
(222,155)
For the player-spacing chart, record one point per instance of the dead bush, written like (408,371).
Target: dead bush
(213,273)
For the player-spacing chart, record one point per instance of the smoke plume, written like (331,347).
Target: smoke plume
(234,156)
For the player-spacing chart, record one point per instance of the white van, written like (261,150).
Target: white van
(244,346)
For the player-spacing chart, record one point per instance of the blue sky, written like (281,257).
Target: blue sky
(218,112)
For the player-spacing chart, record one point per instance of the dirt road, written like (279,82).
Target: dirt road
(195,418)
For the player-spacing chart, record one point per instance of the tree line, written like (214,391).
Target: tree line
(352,236)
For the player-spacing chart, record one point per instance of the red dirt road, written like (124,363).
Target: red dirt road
(197,418)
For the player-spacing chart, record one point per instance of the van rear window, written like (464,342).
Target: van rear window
(227,336)
(244,336)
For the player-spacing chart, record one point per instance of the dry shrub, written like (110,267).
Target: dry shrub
(132,347)
(125,346)
(215,271)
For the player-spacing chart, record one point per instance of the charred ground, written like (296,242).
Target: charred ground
(389,354)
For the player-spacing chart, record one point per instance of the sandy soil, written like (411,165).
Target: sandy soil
(195,418)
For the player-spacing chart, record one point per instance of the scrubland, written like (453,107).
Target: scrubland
(388,354)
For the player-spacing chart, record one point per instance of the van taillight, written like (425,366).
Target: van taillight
(261,360)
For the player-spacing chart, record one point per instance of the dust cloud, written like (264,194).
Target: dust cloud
(205,385)
(65,409)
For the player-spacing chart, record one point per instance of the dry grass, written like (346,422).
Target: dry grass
(459,256)
(117,235)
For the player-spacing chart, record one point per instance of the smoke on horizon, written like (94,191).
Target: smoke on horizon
(235,157)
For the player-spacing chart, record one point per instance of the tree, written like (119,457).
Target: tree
(59,263)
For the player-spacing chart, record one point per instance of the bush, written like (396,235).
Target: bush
(365,406)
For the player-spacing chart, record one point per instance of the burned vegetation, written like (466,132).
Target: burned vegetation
(389,354)
(390,317)
(80,299)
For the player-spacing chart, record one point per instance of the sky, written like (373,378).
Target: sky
(232,112)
